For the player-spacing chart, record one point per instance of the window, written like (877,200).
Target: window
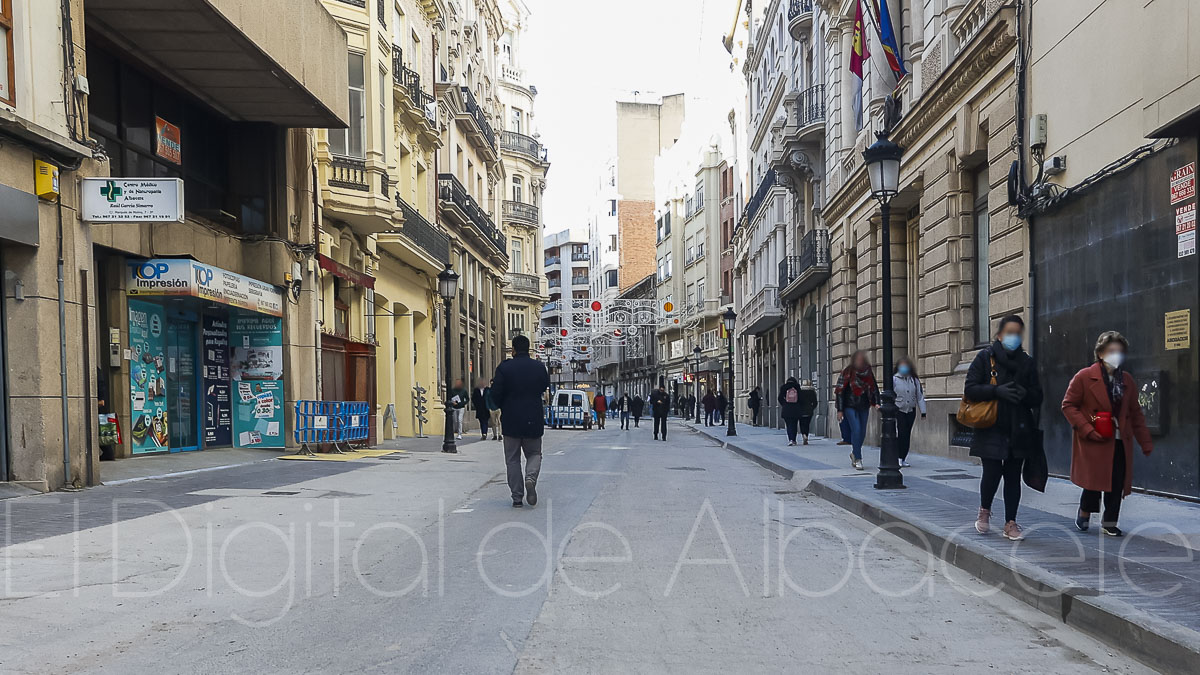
(982,277)
(612,207)
(350,142)
(383,116)
(518,189)
(517,122)
(668,260)
(7,72)
(699,194)
(700,291)
(612,278)
(515,262)
(612,246)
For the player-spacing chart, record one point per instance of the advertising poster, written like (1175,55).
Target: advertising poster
(147,378)
(256,361)
(218,406)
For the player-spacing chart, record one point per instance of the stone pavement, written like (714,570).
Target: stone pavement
(1139,593)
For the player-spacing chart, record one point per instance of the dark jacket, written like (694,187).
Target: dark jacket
(846,398)
(479,398)
(710,402)
(722,402)
(1015,426)
(806,402)
(660,403)
(636,406)
(517,388)
(755,400)
(463,397)
(621,405)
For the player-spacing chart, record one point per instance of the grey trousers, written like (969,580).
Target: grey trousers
(513,447)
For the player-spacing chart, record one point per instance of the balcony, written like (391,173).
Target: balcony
(553,261)
(461,207)
(580,281)
(805,272)
(581,257)
(760,194)
(530,147)
(762,312)
(525,284)
(800,18)
(478,119)
(419,232)
(520,212)
(810,109)
(349,173)
(554,283)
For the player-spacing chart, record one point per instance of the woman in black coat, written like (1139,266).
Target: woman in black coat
(1004,446)
(796,405)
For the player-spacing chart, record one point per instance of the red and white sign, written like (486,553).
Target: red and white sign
(1185,229)
(1183,183)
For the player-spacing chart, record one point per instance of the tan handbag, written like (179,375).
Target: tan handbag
(979,414)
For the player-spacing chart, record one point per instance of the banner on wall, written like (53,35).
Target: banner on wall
(218,405)
(147,378)
(256,363)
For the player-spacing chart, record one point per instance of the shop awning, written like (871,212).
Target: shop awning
(184,277)
(350,274)
(277,61)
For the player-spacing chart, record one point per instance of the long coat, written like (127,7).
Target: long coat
(517,389)
(1014,431)
(1092,461)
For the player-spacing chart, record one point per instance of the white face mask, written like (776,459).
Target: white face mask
(1114,359)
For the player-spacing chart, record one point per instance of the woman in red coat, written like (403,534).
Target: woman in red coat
(1102,406)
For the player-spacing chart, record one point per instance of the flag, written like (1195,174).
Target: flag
(858,51)
(887,38)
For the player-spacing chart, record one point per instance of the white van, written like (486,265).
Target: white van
(569,408)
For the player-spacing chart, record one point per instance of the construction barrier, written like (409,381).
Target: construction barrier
(331,423)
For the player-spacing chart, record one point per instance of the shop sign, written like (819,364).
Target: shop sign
(132,200)
(168,143)
(1185,229)
(180,276)
(1183,183)
(1177,327)
(350,274)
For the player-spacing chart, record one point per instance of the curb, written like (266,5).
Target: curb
(1157,643)
(764,462)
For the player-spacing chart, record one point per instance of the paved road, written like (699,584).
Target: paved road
(641,557)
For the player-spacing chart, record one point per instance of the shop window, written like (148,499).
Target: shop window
(228,168)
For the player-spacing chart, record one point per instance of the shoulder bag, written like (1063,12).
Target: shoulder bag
(979,414)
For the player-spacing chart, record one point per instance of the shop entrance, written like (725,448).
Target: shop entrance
(182,384)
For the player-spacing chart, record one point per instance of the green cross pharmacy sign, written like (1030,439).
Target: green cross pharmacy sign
(132,200)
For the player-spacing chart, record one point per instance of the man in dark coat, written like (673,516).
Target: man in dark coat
(636,406)
(518,388)
(755,403)
(479,397)
(722,406)
(660,407)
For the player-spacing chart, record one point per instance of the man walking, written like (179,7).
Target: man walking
(600,405)
(636,406)
(622,408)
(517,389)
(660,407)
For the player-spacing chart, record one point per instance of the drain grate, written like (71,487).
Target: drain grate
(281,493)
(953,476)
(685,468)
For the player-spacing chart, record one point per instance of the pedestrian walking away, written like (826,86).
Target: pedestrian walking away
(1102,407)
(517,389)
(600,406)
(622,407)
(910,399)
(796,405)
(1005,373)
(479,397)
(710,408)
(722,404)
(660,407)
(636,407)
(855,394)
(754,402)
(458,398)
(494,423)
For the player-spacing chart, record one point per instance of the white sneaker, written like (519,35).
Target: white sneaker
(460,437)
(904,464)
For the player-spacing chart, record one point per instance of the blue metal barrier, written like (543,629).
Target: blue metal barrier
(331,423)
(356,416)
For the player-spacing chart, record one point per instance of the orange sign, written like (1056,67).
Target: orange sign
(168,144)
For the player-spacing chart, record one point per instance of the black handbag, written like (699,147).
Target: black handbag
(1036,472)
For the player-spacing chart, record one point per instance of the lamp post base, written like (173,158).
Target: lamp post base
(889,476)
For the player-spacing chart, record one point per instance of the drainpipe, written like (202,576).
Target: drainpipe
(62,355)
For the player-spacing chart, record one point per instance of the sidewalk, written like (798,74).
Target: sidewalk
(1139,593)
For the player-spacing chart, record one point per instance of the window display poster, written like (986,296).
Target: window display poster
(257,367)
(147,378)
(218,406)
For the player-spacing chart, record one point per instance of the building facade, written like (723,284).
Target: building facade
(566,319)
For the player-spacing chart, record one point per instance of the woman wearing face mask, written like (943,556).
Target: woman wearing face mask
(855,394)
(1003,447)
(910,398)
(1102,406)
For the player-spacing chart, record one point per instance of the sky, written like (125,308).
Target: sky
(584,56)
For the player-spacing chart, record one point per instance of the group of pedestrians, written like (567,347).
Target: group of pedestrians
(1101,405)
(714,407)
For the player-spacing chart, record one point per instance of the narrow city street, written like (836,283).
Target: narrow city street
(641,556)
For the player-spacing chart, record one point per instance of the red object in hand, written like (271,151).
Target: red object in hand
(1104,424)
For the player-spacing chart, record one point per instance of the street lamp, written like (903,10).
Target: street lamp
(730,319)
(448,288)
(696,381)
(883,167)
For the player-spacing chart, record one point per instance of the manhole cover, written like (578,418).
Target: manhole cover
(685,468)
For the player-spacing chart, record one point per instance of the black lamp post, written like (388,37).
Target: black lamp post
(696,381)
(730,319)
(883,167)
(448,288)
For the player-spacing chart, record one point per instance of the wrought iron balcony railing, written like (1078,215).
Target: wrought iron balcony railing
(451,190)
(798,7)
(810,106)
(529,146)
(811,267)
(752,206)
(478,115)
(422,233)
(521,212)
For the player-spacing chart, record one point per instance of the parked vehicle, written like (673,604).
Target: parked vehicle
(569,408)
